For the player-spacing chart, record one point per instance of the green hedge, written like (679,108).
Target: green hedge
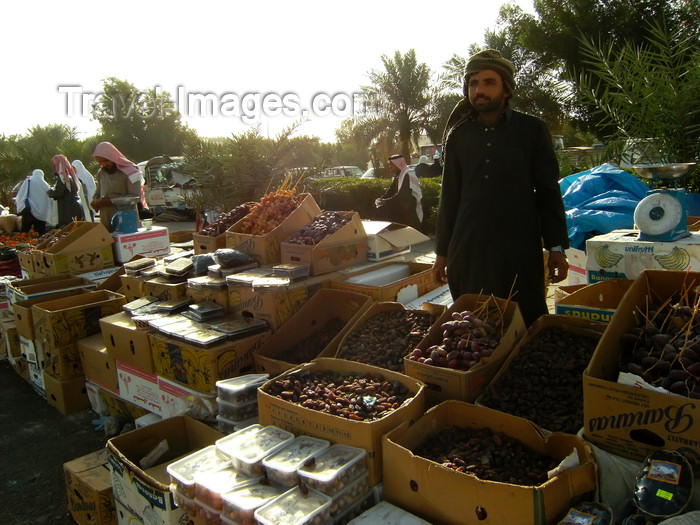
(347,193)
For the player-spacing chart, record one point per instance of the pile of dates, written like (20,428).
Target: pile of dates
(385,338)
(466,339)
(663,348)
(488,455)
(321,227)
(270,212)
(308,348)
(226,220)
(352,396)
(544,382)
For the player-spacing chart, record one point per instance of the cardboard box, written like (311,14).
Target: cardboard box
(36,379)
(389,239)
(207,244)
(106,278)
(113,405)
(73,263)
(165,288)
(181,236)
(148,243)
(324,306)
(126,342)
(367,435)
(265,249)
(96,402)
(131,287)
(161,396)
(560,292)
(146,492)
(442,495)
(64,321)
(274,305)
(21,367)
(77,248)
(419,282)
(98,364)
(45,286)
(62,362)
(67,395)
(596,302)
(445,383)
(629,421)
(577,266)
(215,295)
(11,338)
(342,249)
(28,350)
(124,515)
(200,368)
(89,489)
(23,309)
(619,255)
(26,262)
(573,325)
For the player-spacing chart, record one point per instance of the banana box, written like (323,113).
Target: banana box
(596,302)
(621,255)
(274,304)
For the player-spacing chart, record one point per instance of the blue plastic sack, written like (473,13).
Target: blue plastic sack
(600,200)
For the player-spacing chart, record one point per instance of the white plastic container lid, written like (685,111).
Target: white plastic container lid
(293,455)
(263,443)
(293,508)
(332,462)
(185,470)
(219,481)
(229,443)
(250,496)
(236,384)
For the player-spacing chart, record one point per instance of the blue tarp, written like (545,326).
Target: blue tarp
(600,200)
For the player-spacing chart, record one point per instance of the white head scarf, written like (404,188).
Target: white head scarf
(400,163)
(34,190)
(86,178)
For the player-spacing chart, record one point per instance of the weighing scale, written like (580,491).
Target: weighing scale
(663,215)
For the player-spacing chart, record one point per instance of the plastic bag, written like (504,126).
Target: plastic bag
(598,201)
(202,262)
(229,258)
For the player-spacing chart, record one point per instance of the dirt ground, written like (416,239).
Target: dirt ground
(35,441)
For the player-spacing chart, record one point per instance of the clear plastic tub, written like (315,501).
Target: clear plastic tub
(185,503)
(248,454)
(350,495)
(241,389)
(366,501)
(241,503)
(237,412)
(333,469)
(228,443)
(296,507)
(183,472)
(281,467)
(209,515)
(229,427)
(209,486)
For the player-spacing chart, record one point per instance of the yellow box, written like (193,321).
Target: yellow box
(89,489)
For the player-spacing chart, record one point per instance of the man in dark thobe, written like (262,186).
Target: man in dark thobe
(500,202)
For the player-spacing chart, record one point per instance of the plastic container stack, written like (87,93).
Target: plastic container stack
(237,400)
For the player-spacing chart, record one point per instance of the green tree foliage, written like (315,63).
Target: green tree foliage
(648,90)
(396,104)
(142,124)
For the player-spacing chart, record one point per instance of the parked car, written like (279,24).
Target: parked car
(343,171)
(374,173)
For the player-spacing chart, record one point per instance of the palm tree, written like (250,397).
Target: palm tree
(397,103)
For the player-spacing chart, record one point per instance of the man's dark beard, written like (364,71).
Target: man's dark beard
(111,169)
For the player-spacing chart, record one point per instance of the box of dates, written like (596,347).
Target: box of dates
(641,389)
(273,220)
(344,402)
(331,241)
(313,331)
(466,347)
(550,472)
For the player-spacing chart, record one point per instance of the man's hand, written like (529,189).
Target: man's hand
(439,269)
(558,266)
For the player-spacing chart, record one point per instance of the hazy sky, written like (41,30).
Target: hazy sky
(267,61)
